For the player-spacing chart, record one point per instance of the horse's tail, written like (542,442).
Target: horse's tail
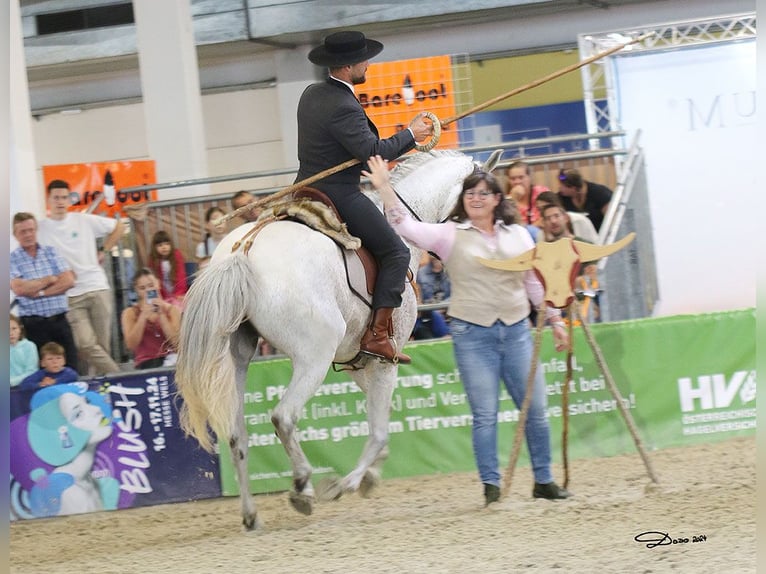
(214,308)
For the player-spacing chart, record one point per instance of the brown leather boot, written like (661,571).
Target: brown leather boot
(378,338)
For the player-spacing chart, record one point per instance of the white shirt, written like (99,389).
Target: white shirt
(75,238)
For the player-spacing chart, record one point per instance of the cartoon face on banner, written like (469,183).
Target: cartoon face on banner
(395,92)
(103,445)
(66,462)
(90,182)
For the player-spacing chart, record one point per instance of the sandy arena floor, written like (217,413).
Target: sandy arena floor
(436,524)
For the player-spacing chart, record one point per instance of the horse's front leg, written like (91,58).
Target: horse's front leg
(377,380)
(308,374)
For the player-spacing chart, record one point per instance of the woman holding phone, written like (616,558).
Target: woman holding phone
(150,327)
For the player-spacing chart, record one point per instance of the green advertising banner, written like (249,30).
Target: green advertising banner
(685,379)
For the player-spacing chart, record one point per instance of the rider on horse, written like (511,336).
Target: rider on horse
(333,128)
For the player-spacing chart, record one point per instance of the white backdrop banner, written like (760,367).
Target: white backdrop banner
(696,108)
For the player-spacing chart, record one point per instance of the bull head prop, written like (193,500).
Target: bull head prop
(556,264)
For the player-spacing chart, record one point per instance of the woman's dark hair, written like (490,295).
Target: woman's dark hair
(505,210)
(210,211)
(143,272)
(208,216)
(163,236)
(571,178)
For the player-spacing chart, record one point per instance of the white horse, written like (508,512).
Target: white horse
(291,288)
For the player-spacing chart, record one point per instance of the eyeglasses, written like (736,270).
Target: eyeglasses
(484,194)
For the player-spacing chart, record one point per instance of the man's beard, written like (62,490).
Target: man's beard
(558,235)
(356,80)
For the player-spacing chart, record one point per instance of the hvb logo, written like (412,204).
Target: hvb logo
(714,392)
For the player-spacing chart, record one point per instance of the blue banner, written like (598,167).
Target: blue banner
(103,445)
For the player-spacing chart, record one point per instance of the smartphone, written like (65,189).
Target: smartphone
(151,296)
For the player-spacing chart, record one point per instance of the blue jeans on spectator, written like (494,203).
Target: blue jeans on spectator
(484,356)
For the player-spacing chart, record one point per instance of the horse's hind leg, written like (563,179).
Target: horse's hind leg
(243,345)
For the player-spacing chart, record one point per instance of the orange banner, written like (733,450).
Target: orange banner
(395,92)
(89,181)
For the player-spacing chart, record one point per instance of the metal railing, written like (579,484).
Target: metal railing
(630,276)
(183,218)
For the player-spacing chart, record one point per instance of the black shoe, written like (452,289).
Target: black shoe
(551,491)
(491,494)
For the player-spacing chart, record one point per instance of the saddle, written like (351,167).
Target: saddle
(313,208)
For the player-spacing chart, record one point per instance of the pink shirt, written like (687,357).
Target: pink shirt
(153,343)
(440,237)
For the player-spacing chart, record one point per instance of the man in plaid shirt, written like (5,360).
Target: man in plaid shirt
(40,278)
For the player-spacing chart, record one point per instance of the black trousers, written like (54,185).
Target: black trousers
(56,329)
(368,224)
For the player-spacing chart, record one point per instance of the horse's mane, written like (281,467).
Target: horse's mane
(414,161)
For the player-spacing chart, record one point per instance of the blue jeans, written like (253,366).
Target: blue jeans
(486,355)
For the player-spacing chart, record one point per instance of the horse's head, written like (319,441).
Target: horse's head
(430,183)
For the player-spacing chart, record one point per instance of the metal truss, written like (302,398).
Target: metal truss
(598,77)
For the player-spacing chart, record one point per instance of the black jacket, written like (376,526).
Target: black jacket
(333,128)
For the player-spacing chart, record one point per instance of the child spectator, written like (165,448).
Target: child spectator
(54,370)
(151,325)
(214,233)
(24,358)
(169,267)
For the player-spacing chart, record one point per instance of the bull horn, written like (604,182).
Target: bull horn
(519,263)
(590,252)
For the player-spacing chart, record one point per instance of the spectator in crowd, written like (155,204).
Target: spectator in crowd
(488,309)
(23,355)
(505,185)
(213,233)
(91,301)
(524,192)
(150,327)
(169,266)
(40,278)
(556,225)
(242,198)
(587,197)
(433,281)
(580,224)
(430,324)
(53,369)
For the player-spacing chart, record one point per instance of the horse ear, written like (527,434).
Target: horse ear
(492,161)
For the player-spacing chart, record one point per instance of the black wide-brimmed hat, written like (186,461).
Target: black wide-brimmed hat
(343,49)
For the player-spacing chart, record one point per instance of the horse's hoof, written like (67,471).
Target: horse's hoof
(329,489)
(250,523)
(368,484)
(302,503)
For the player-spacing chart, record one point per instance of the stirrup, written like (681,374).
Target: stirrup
(383,358)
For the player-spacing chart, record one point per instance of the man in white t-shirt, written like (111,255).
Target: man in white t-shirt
(91,304)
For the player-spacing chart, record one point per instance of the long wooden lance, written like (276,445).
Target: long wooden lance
(438,125)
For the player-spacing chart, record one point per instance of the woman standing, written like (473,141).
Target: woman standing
(150,327)
(489,309)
